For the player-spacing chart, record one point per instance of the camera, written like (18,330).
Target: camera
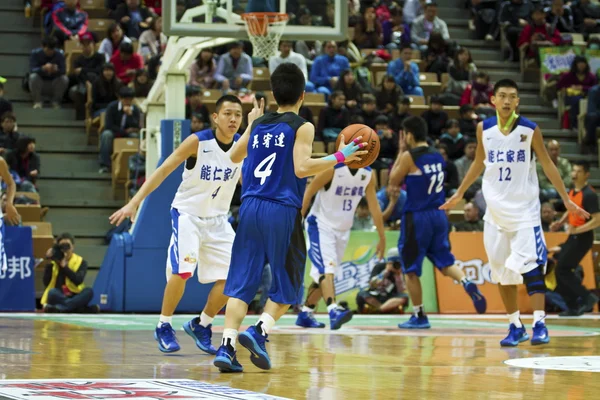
(58,251)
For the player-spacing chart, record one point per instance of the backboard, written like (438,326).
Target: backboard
(308,19)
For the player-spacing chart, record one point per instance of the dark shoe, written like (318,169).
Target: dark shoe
(590,302)
(93,309)
(571,313)
(50,309)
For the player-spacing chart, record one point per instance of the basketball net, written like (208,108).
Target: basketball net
(264,30)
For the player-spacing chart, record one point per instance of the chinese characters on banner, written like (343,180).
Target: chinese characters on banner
(17,288)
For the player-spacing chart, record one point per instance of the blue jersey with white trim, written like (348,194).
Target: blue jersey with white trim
(425,188)
(268,171)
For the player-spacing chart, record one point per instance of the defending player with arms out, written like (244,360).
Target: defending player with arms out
(424,228)
(277,150)
(329,222)
(202,237)
(11,214)
(507,147)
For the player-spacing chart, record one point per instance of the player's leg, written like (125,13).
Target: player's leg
(337,315)
(412,246)
(306,318)
(181,264)
(392,304)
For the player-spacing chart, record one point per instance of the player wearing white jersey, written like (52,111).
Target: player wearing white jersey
(338,191)
(11,214)
(507,147)
(202,236)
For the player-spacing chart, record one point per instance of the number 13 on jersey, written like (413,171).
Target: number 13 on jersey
(264,168)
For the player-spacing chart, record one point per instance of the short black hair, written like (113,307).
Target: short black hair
(287,83)
(583,164)
(126,93)
(110,66)
(470,140)
(465,108)
(368,98)
(126,48)
(405,46)
(49,42)
(430,3)
(66,236)
(505,83)
(435,100)
(382,120)
(416,126)
(236,45)
(452,123)
(405,100)
(8,115)
(229,98)
(442,146)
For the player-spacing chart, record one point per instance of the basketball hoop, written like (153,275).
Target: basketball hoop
(264,30)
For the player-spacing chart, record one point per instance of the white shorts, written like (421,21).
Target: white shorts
(3,264)
(326,247)
(511,254)
(203,243)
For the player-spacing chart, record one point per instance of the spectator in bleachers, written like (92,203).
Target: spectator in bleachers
(141,84)
(287,55)
(327,68)
(577,82)
(202,71)
(154,6)
(133,17)
(547,190)
(153,41)
(194,105)
(391,204)
(592,120)
(486,18)
(362,218)
(548,214)
(389,142)
(467,120)
(333,118)
(25,162)
(402,111)
(368,110)
(351,89)
(395,30)
(472,222)
(64,274)
(122,119)
(587,16)
(424,25)
(464,163)
(87,68)
(406,72)
(436,57)
(451,173)
(479,94)
(234,69)
(436,117)
(388,94)
(5,105)
(461,72)
(8,133)
(47,73)
(412,9)
(68,23)
(560,17)
(113,40)
(105,89)
(197,123)
(453,139)
(126,63)
(514,16)
(538,34)
(368,33)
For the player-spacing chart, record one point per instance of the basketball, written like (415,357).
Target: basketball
(350,133)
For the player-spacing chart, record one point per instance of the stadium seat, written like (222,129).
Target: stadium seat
(260,79)
(123,148)
(99,27)
(94,8)
(93,125)
(42,237)
(29,212)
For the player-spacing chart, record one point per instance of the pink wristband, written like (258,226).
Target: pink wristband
(339,156)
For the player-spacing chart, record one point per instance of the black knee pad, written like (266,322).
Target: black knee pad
(314,286)
(534,280)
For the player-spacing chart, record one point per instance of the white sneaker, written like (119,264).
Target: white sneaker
(37,105)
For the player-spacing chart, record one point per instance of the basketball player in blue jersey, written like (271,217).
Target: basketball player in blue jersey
(424,228)
(277,151)
(507,147)
(202,236)
(329,222)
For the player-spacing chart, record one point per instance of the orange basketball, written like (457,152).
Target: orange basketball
(368,135)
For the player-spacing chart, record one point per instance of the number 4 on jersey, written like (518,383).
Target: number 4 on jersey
(263,170)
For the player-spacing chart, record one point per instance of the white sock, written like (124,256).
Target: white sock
(165,320)
(417,309)
(266,323)
(464,280)
(538,316)
(205,320)
(229,337)
(514,318)
(332,306)
(307,309)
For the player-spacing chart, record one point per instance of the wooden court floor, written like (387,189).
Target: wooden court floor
(459,358)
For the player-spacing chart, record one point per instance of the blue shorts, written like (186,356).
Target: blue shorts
(271,233)
(424,234)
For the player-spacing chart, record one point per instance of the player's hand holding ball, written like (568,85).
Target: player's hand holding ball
(354,135)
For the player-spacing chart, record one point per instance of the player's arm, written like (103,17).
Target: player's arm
(240,148)
(315,185)
(305,165)
(188,148)
(375,211)
(476,169)
(11,213)
(537,144)
(400,169)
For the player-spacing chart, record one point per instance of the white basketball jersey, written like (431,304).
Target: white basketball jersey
(206,190)
(510,183)
(336,205)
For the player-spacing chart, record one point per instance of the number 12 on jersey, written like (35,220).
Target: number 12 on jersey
(504,174)
(439,178)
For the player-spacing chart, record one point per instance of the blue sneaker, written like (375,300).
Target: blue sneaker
(165,336)
(515,336)
(416,323)
(307,320)
(478,299)
(226,360)
(338,317)
(255,343)
(540,334)
(201,335)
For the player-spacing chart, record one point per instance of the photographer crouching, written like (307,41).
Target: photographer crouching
(63,277)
